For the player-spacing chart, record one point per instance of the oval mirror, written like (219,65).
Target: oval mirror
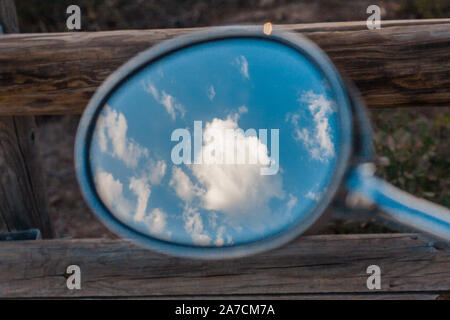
(230,142)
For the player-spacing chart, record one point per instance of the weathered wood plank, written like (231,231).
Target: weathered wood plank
(313,265)
(23,202)
(8,16)
(405,64)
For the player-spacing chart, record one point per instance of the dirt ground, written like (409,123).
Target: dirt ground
(69,214)
(412,144)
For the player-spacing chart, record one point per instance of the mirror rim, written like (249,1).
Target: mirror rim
(159,51)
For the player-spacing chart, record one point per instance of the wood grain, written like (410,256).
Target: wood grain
(23,203)
(8,16)
(404,64)
(329,266)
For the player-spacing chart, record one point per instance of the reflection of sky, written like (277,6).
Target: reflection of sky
(257,83)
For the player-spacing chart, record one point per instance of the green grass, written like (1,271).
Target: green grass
(415,147)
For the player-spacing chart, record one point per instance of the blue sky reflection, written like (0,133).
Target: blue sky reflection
(234,83)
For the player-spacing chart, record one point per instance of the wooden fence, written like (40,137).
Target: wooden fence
(311,267)
(405,64)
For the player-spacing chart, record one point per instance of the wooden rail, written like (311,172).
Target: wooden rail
(327,266)
(404,64)
(23,202)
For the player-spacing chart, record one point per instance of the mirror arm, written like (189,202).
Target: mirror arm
(396,204)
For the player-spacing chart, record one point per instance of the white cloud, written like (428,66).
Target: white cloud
(111,129)
(313,196)
(156,221)
(211,93)
(141,186)
(182,185)
(219,237)
(150,88)
(243,66)
(193,225)
(169,102)
(291,202)
(141,189)
(233,190)
(157,170)
(111,134)
(236,190)
(242,109)
(110,191)
(318,140)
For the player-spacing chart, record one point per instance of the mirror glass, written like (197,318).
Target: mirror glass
(218,144)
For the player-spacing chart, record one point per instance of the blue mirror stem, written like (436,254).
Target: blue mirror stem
(398,205)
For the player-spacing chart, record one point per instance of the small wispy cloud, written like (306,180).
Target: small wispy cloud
(313,195)
(182,185)
(242,110)
(156,221)
(142,191)
(110,190)
(219,242)
(291,202)
(243,66)
(211,93)
(141,185)
(168,101)
(156,171)
(318,139)
(193,224)
(111,134)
